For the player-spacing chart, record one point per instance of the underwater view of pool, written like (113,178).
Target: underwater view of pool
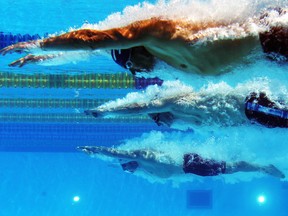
(43,119)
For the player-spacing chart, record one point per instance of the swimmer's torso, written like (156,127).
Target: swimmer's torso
(197,47)
(205,109)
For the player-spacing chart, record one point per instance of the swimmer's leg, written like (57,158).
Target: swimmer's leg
(243,166)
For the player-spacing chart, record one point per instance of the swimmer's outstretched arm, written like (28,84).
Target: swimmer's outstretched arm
(139,33)
(149,156)
(28,59)
(140,154)
(117,108)
(106,151)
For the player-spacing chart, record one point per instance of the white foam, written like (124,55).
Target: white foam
(273,18)
(169,89)
(191,10)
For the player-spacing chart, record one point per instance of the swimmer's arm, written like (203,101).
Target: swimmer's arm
(129,108)
(150,155)
(106,151)
(84,39)
(140,33)
(53,58)
(28,59)
(140,154)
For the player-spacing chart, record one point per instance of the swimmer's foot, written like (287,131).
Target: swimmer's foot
(273,171)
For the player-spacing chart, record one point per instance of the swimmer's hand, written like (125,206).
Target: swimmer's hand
(94,113)
(87,149)
(28,59)
(20,47)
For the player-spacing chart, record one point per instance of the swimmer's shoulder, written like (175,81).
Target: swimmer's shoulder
(156,27)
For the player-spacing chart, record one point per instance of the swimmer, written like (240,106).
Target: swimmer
(161,165)
(187,107)
(191,47)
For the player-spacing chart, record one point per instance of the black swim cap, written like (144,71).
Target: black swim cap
(122,57)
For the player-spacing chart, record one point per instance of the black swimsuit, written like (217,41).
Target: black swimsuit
(195,164)
(260,109)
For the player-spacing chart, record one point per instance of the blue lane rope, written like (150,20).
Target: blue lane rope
(142,83)
(7,39)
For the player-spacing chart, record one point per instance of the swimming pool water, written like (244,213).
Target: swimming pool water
(42,122)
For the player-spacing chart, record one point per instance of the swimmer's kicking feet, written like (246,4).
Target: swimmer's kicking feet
(207,48)
(162,165)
